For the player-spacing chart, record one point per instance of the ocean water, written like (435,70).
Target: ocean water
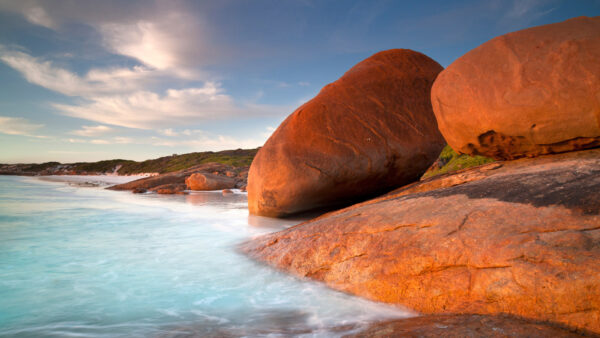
(88,262)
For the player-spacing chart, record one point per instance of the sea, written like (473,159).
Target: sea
(77,260)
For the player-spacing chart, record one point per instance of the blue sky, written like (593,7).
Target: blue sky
(92,80)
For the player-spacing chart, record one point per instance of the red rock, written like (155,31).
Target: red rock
(226,191)
(362,135)
(521,238)
(173,188)
(526,93)
(205,181)
(175,178)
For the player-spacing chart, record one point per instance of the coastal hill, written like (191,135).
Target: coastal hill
(162,165)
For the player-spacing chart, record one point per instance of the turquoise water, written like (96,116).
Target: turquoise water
(88,262)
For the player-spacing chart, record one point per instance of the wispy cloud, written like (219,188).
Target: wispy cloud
(168,132)
(19,126)
(38,16)
(90,131)
(95,82)
(149,110)
(120,97)
(188,140)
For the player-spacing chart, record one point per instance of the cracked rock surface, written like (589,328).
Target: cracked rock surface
(368,132)
(521,238)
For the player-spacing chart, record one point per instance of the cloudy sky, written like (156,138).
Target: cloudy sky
(89,80)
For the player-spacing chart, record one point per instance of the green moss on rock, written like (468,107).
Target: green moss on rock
(449,161)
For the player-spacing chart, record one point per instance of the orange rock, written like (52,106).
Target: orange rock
(205,181)
(527,93)
(523,238)
(364,134)
(227,192)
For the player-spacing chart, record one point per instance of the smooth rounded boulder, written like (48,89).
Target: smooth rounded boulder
(368,132)
(526,93)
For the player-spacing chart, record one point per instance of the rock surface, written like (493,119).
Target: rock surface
(175,182)
(205,181)
(460,326)
(169,189)
(519,237)
(527,93)
(364,134)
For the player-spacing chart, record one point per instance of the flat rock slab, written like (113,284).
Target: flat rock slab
(460,326)
(522,238)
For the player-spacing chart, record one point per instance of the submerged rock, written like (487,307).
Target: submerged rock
(364,134)
(519,237)
(459,326)
(169,189)
(526,93)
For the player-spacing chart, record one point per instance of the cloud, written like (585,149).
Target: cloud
(174,41)
(160,34)
(19,126)
(90,131)
(123,140)
(197,141)
(95,82)
(168,132)
(148,110)
(208,142)
(119,96)
(38,16)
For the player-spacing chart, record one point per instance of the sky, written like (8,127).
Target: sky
(88,80)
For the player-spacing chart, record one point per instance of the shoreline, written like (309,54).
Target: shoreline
(89,180)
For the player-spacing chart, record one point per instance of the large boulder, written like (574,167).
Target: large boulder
(366,133)
(206,181)
(521,238)
(527,93)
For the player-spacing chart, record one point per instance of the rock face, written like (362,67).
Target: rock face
(366,133)
(527,93)
(459,326)
(205,181)
(521,238)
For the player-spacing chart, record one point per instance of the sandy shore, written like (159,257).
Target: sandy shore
(91,180)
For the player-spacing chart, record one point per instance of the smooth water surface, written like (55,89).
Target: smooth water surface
(91,262)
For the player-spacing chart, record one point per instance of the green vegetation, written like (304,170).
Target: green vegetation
(42,166)
(101,166)
(449,161)
(236,158)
